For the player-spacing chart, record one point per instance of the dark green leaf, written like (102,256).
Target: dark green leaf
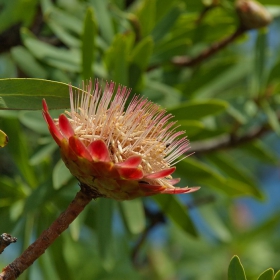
(88,46)
(267,274)
(236,270)
(195,110)
(177,212)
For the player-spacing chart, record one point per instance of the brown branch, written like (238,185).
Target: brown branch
(183,61)
(35,250)
(230,141)
(5,240)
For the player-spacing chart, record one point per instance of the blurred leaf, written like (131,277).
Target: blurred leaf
(19,149)
(64,59)
(134,216)
(215,222)
(104,231)
(139,60)
(277,275)
(191,127)
(27,94)
(260,151)
(41,154)
(231,169)
(34,121)
(27,63)
(88,46)
(103,19)
(3,139)
(117,57)
(272,116)
(202,174)
(177,212)
(195,110)
(147,16)
(58,259)
(267,275)
(236,270)
(164,25)
(61,175)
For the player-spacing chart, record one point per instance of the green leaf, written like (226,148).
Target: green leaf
(34,121)
(195,110)
(61,175)
(43,153)
(88,45)
(104,231)
(164,25)
(272,116)
(177,212)
(117,56)
(260,151)
(19,149)
(191,127)
(277,275)
(236,270)
(27,63)
(147,16)
(3,139)
(202,174)
(64,59)
(267,274)
(27,94)
(218,227)
(134,216)
(231,169)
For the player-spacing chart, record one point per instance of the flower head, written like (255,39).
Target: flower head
(119,150)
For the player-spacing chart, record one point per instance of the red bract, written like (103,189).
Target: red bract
(119,153)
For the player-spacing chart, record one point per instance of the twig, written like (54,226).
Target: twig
(229,141)
(183,61)
(35,250)
(5,240)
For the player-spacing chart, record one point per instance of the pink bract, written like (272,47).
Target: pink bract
(119,150)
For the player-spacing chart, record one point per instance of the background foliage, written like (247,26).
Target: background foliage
(227,102)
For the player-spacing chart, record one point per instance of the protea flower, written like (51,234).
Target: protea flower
(118,152)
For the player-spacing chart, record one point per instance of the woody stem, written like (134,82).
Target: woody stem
(35,250)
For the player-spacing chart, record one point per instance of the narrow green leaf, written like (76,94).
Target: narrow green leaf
(164,25)
(64,59)
(61,175)
(19,149)
(267,274)
(260,151)
(88,45)
(236,270)
(104,231)
(231,169)
(3,139)
(134,216)
(177,212)
(34,121)
(27,62)
(218,227)
(27,94)
(202,174)
(43,153)
(195,110)
(117,57)
(58,259)
(272,116)
(191,127)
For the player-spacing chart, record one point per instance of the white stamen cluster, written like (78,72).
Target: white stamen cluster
(140,129)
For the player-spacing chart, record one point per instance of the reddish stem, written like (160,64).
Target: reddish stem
(35,250)
(188,62)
